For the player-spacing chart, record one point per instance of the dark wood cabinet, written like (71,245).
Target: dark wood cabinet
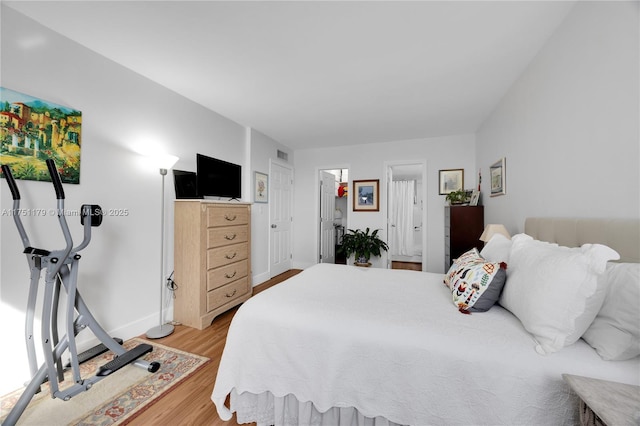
(463,226)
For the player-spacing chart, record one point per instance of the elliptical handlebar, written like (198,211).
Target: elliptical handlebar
(6,170)
(57,184)
(55,178)
(91,215)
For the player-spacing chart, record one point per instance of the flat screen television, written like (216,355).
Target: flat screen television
(218,178)
(186,184)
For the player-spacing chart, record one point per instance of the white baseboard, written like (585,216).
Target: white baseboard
(125,332)
(260,278)
(302,265)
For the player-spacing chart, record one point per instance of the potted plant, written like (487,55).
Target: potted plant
(458,197)
(363,244)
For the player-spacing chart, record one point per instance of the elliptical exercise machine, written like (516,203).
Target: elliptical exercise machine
(61,269)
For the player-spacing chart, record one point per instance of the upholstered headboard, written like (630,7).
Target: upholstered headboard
(622,235)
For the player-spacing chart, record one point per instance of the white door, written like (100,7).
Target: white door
(390,224)
(280,215)
(327,211)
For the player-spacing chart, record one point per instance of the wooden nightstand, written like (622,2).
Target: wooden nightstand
(606,403)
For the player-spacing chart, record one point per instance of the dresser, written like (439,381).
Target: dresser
(463,226)
(212,259)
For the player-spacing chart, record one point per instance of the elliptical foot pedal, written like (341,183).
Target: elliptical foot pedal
(93,352)
(124,359)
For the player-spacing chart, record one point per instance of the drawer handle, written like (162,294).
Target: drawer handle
(232,294)
(231,256)
(230,237)
(232,275)
(230,218)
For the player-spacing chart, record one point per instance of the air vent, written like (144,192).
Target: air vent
(283,155)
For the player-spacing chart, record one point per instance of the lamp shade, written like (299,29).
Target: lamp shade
(493,229)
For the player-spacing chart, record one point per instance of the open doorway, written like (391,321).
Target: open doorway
(333,214)
(406,215)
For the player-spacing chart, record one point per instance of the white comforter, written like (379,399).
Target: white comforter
(391,343)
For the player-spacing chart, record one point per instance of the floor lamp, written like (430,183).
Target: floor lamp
(162,330)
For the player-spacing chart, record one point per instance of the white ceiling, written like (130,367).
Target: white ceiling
(321,73)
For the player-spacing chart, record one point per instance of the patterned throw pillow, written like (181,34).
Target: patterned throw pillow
(475,284)
(470,256)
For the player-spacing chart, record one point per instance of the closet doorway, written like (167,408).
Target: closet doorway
(406,215)
(333,190)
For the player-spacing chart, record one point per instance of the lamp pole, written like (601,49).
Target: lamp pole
(162,330)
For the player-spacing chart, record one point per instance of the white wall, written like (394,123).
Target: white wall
(367,162)
(569,126)
(119,271)
(263,151)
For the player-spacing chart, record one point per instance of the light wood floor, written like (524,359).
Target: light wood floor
(189,403)
(412,266)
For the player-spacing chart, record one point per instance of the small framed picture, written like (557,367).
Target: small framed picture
(366,195)
(475,197)
(451,180)
(261,188)
(498,174)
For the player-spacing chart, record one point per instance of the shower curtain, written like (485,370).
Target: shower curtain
(402,217)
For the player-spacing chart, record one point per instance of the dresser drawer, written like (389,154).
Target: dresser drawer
(217,237)
(225,294)
(227,254)
(226,274)
(226,216)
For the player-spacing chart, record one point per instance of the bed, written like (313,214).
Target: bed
(338,345)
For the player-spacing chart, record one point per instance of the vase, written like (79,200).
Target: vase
(362,261)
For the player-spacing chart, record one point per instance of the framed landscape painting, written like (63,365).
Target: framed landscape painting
(33,130)
(450,180)
(366,195)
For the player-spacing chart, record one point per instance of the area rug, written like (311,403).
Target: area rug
(115,400)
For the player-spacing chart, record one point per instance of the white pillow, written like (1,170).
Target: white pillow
(615,333)
(553,290)
(497,249)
